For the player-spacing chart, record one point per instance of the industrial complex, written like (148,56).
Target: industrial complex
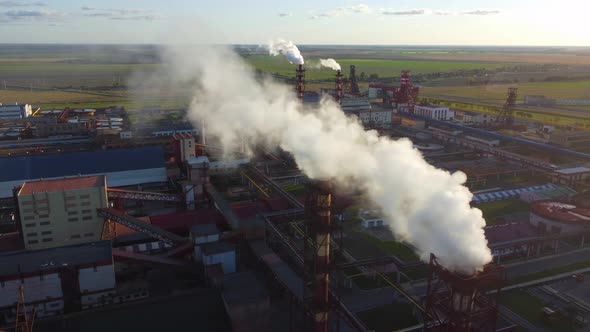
(98,213)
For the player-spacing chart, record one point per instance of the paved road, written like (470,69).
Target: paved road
(519,320)
(546,263)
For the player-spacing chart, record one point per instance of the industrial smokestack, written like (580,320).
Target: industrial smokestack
(339,92)
(319,230)
(426,207)
(300,88)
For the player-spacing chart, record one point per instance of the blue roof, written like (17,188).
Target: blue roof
(87,162)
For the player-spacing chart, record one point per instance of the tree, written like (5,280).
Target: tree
(374,76)
(363,76)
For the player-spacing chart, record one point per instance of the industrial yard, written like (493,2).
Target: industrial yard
(370,194)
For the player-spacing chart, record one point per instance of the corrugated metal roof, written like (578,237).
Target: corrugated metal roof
(88,162)
(573,170)
(63,184)
(49,259)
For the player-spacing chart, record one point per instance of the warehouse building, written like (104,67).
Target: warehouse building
(15,112)
(570,138)
(473,118)
(57,280)
(559,217)
(569,176)
(56,213)
(122,167)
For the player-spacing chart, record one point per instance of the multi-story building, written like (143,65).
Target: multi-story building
(369,116)
(57,280)
(434,112)
(184,146)
(570,138)
(571,176)
(56,213)
(15,112)
(44,129)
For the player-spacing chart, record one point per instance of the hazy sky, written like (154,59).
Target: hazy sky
(416,22)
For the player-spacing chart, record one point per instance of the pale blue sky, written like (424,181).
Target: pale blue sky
(416,22)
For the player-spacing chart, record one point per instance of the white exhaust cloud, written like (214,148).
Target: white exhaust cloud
(330,63)
(425,206)
(286,48)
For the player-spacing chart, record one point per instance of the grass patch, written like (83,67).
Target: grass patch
(493,210)
(393,248)
(362,281)
(531,308)
(550,272)
(417,273)
(389,317)
(295,189)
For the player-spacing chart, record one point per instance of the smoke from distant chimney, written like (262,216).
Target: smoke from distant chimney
(286,48)
(330,63)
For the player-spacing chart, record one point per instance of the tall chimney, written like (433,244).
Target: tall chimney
(321,221)
(300,82)
(339,93)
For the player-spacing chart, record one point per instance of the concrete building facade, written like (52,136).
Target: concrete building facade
(15,112)
(569,176)
(55,213)
(434,112)
(57,280)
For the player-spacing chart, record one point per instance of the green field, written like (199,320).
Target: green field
(389,317)
(493,210)
(497,93)
(383,68)
(60,74)
(394,248)
(530,308)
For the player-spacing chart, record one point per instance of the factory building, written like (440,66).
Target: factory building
(56,213)
(355,105)
(51,129)
(184,146)
(369,116)
(569,176)
(570,138)
(57,280)
(247,302)
(434,112)
(15,112)
(122,167)
(558,217)
(371,218)
(473,118)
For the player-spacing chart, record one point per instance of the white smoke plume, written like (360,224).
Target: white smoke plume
(425,206)
(286,48)
(330,63)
